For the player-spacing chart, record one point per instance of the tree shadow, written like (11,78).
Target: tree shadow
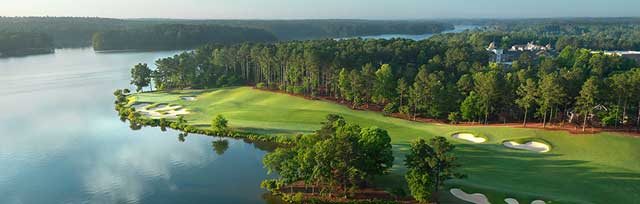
(545,176)
(502,173)
(272,131)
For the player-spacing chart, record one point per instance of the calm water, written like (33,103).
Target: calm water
(62,142)
(457,29)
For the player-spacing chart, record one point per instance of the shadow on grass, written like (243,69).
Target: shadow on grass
(272,131)
(527,176)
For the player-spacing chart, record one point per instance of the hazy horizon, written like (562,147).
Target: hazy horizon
(330,9)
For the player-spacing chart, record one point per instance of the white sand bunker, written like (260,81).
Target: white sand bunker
(188,98)
(514,201)
(161,111)
(469,137)
(531,146)
(140,106)
(511,201)
(476,198)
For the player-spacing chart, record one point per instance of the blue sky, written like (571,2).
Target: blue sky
(321,9)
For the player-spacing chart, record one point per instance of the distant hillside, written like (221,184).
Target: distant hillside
(176,36)
(330,28)
(16,44)
(78,31)
(592,33)
(65,31)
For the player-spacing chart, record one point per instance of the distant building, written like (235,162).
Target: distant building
(634,55)
(498,53)
(530,47)
(506,57)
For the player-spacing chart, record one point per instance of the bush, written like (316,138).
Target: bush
(404,110)
(389,109)
(271,185)
(454,117)
(298,90)
(261,85)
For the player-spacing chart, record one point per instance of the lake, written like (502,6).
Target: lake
(62,141)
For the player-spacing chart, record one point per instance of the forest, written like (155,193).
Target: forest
(442,78)
(593,33)
(78,31)
(65,31)
(16,44)
(176,36)
(331,28)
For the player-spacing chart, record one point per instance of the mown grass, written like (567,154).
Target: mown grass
(598,168)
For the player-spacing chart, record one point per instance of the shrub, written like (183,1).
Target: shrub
(298,90)
(261,85)
(404,110)
(271,185)
(389,109)
(454,117)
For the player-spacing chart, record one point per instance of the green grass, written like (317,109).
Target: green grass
(598,168)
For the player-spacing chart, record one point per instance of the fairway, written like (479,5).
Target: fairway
(598,168)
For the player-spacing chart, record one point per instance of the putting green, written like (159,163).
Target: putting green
(598,168)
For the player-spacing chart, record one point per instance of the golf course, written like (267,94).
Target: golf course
(500,162)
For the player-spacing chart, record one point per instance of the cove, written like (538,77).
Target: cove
(62,142)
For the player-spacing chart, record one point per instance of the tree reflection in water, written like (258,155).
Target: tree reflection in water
(220,146)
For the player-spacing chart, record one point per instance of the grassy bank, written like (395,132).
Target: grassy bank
(597,168)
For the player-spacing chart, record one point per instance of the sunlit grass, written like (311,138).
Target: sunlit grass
(598,168)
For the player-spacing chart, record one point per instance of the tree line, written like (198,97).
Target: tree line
(287,30)
(447,80)
(14,44)
(176,36)
(592,33)
(79,31)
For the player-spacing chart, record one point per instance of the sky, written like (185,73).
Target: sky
(321,9)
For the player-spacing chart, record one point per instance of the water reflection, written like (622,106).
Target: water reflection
(220,146)
(62,142)
(182,136)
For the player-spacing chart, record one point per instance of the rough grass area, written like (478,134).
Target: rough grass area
(597,168)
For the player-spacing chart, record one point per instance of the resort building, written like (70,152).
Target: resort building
(530,47)
(634,55)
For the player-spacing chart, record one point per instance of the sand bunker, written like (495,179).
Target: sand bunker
(160,111)
(469,137)
(514,201)
(188,98)
(140,106)
(511,201)
(531,146)
(476,198)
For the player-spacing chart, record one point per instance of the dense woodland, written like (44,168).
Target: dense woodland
(65,31)
(78,31)
(176,36)
(592,33)
(14,44)
(331,28)
(441,78)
